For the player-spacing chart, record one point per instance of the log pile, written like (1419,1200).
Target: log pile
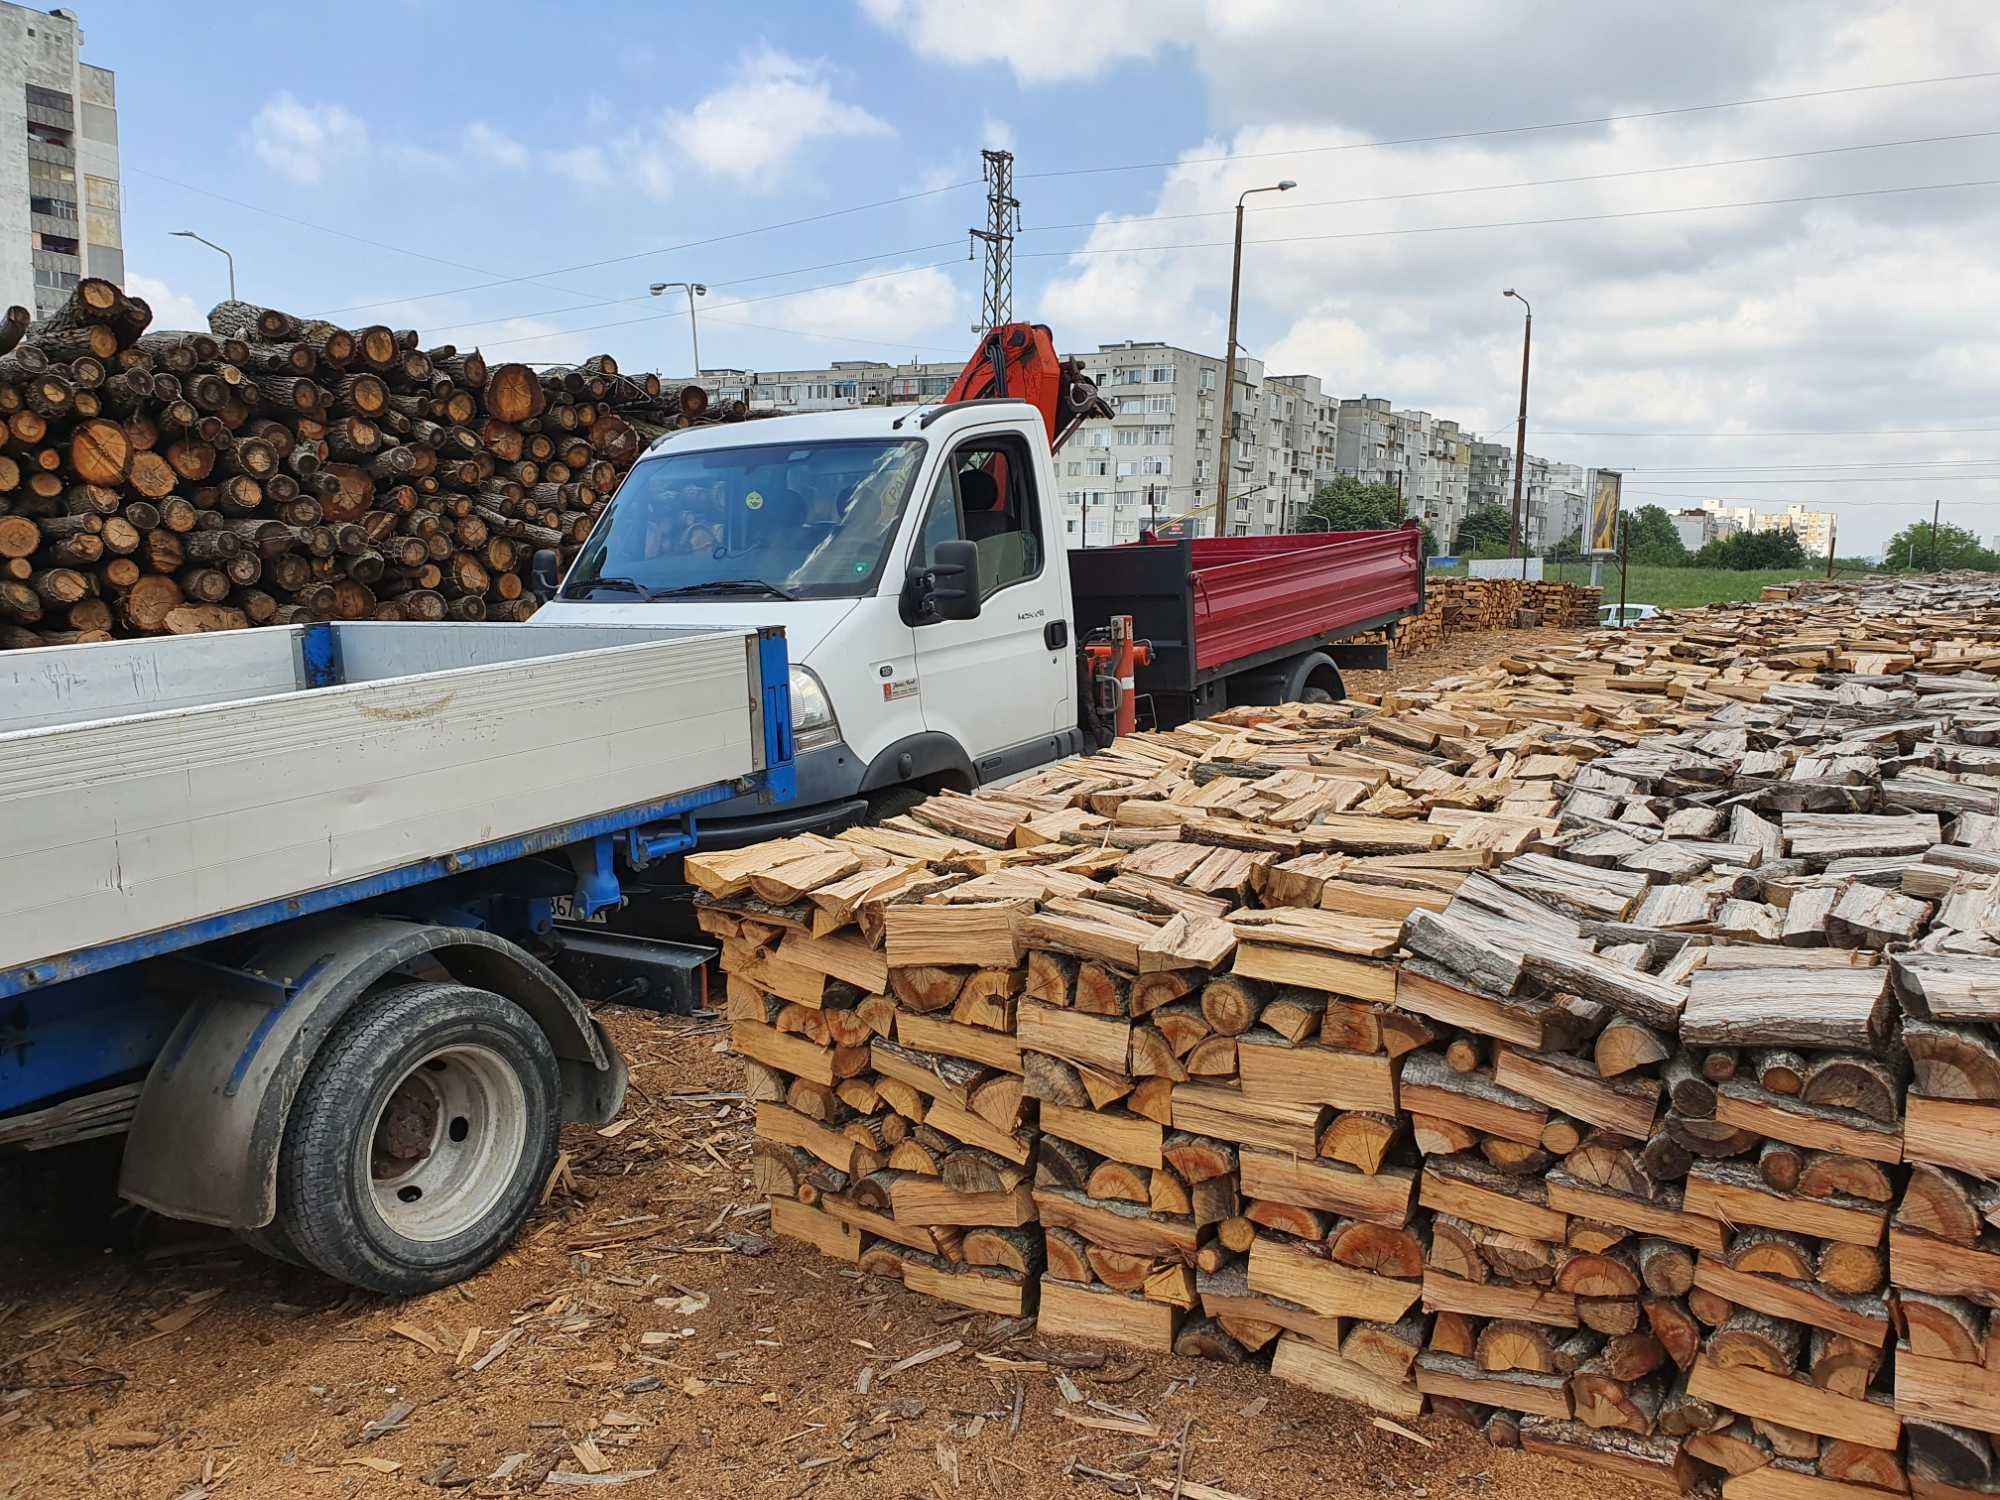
(1456,605)
(273,469)
(1602,1047)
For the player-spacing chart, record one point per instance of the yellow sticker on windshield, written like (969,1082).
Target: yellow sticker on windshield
(754,500)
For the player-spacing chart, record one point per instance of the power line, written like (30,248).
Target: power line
(739,302)
(1857,479)
(828,265)
(1764,499)
(1467,135)
(1634,213)
(1286,206)
(619,260)
(1904,463)
(1779,432)
(342,233)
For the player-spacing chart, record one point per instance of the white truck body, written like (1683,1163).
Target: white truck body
(150,784)
(1000,687)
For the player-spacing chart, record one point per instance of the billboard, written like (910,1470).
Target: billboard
(1605,487)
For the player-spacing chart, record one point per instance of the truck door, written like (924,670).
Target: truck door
(1000,683)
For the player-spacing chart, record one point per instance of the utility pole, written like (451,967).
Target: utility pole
(1935,504)
(1831,533)
(1003,219)
(1229,357)
(1514,548)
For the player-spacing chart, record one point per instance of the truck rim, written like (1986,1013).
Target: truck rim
(447,1142)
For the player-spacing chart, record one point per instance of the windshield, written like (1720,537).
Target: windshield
(786,520)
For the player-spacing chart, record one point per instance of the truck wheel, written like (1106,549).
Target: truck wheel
(893,803)
(420,1139)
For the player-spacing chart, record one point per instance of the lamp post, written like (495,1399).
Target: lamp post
(694,289)
(1229,357)
(1514,548)
(189,234)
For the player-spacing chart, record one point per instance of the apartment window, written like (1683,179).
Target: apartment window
(1127,468)
(1159,435)
(60,244)
(58,280)
(54,208)
(1156,466)
(1161,374)
(1131,406)
(1075,468)
(1206,380)
(1128,437)
(1160,405)
(1097,437)
(1134,376)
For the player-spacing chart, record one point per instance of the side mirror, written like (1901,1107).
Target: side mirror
(954,581)
(543,569)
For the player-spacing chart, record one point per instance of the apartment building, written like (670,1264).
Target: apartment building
(1814,528)
(1155,458)
(59,195)
(1427,460)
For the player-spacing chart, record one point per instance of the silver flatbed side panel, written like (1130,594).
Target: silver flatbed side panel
(113,829)
(111,679)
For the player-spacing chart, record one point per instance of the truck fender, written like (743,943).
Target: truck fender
(917,757)
(211,1116)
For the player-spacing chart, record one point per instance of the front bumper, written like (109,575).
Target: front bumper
(828,800)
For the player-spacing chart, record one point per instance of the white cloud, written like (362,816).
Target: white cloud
(889,306)
(302,141)
(583,165)
(171,309)
(1042,41)
(748,130)
(776,104)
(490,144)
(996,135)
(1853,313)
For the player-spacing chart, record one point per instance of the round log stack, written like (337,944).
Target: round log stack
(275,469)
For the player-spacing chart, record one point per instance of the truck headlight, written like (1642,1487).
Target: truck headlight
(813,723)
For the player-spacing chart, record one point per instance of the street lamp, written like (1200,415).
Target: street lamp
(189,234)
(1514,548)
(694,289)
(1229,358)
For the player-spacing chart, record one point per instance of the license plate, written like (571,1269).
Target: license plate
(565,911)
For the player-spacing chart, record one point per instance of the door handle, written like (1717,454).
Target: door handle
(1055,634)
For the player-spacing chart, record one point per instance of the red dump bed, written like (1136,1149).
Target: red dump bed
(1253,594)
(1213,605)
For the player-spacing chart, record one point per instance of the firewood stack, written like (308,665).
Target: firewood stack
(1453,606)
(1602,1047)
(276,469)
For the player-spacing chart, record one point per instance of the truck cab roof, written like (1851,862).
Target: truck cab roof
(932,420)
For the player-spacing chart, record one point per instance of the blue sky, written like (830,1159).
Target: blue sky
(497,155)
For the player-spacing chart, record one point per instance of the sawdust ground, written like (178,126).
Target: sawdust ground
(144,1359)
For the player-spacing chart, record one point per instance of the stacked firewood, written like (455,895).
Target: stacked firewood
(275,469)
(1602,1048)
(1456,605)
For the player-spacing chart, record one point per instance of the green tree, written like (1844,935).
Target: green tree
(1569,549)
(1749,551)
(1654,541)
(1950,547)
(1349,505)
(1485,528)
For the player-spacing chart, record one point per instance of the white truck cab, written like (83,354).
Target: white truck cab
(916,558)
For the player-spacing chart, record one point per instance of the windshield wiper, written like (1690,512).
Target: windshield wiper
(622,585)
(728,586)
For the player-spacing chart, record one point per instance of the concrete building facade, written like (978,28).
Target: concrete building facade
(1814,528)
(59,185)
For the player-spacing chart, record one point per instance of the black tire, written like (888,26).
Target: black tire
(893,803)
(399,1043)
(1315,695)
(274,1242)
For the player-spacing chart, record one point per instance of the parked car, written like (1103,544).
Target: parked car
(1614,615)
